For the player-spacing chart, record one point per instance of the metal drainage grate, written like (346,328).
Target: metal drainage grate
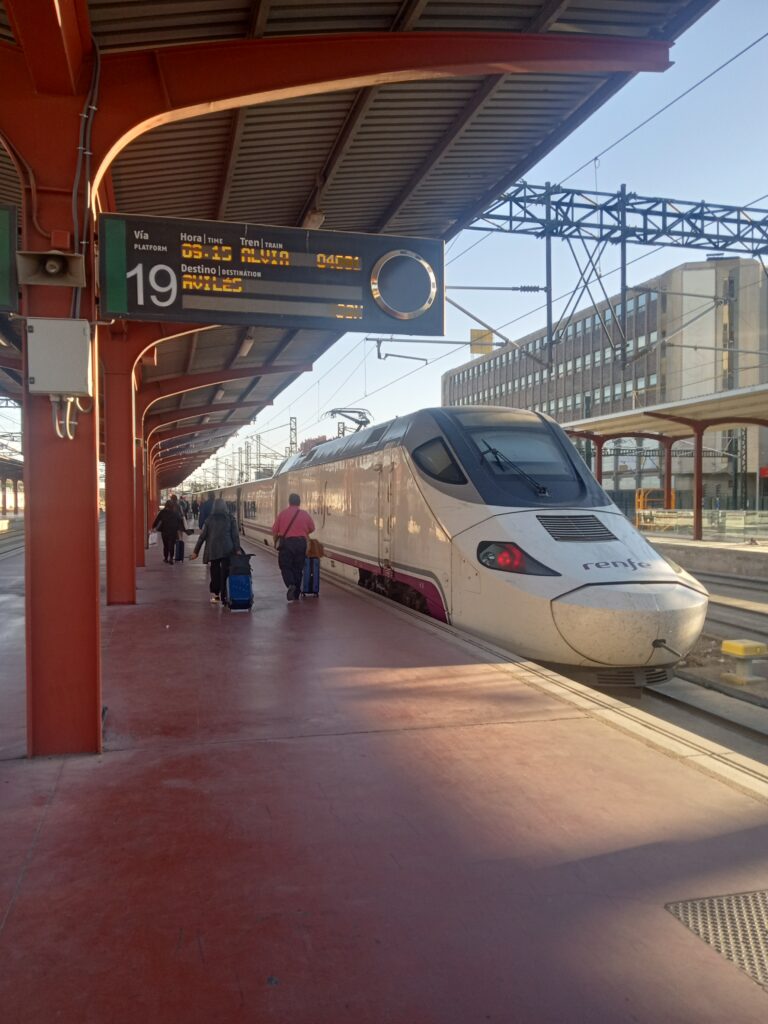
(736,926)
(575,528)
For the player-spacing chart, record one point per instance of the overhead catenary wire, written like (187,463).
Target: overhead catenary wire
(666,106)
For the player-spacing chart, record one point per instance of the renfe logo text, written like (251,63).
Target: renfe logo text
(629,564)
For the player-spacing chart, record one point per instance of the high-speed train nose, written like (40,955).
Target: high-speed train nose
(618,624)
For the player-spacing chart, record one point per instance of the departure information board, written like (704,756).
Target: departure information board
(213,272)
(9,291)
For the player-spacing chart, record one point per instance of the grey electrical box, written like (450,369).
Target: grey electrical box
(59,357)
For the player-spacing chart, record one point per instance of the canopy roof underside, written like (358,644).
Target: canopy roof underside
(421,158)
(679,419)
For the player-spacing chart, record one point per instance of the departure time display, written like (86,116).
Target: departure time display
(216,272)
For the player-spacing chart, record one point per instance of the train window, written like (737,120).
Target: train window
(434,459)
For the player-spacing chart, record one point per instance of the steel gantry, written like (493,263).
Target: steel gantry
(595,220)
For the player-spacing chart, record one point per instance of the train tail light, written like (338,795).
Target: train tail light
(507,557)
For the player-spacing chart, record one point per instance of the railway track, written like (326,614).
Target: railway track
(738,606)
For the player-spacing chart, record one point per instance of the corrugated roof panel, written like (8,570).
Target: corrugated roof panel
(175,170)
(403,125)
(320,17)
(285,142)
(124,24)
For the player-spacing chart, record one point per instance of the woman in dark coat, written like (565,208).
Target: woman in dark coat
(170,525)
(221,540)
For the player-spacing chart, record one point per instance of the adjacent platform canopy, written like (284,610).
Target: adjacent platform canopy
(675,420)
(419,156)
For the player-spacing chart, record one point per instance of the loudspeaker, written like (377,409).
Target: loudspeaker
(65,269)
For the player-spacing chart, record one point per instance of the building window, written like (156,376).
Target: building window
(641,301)
(598,357)
(630,344)
(568,402)
(607,352)
(627,387)
(577,362)
(587,360)
(569,366)
(642,341)
(652,380)
(617,390)
(641,383)
(559,369)
(653,337)
(559,405)
(607,393)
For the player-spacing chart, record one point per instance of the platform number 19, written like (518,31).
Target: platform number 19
(163,285)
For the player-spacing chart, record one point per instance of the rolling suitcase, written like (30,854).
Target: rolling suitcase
(310,582)
(238,590)
(178,551)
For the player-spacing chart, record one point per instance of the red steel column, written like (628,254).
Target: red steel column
(667,444)
(141,505)
(599,442)
(698,481)
(62,566)
(120,483)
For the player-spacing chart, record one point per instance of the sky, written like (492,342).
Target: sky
(711,145)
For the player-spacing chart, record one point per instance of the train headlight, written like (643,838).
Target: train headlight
(507,557)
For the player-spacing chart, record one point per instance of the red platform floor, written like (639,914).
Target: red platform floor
(322,812)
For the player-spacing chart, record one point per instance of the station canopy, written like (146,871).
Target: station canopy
(675,420)
(411,158)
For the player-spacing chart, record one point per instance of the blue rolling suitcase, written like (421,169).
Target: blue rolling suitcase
(310,581)
(238,595)
(178,552)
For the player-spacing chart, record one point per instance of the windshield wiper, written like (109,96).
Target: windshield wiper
(501,458)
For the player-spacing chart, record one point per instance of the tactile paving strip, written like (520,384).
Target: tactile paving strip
(735,925)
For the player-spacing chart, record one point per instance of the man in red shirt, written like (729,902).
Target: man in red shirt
(291,530)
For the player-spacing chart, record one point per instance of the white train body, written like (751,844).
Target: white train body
(526,551)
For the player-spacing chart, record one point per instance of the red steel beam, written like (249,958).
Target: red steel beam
(55,38)
(142,89)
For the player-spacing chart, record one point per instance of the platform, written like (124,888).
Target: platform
(329,811)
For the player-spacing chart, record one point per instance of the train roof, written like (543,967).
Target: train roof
(382,435)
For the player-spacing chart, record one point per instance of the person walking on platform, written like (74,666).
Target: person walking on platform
(221,539)
(291,530)
(195,509)
(170,524)
(205,509)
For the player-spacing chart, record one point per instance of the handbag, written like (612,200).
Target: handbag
(152,539)
(315,548)
(281,537)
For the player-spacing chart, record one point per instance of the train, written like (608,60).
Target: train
(489,519)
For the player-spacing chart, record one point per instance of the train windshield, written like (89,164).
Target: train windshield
(515,458)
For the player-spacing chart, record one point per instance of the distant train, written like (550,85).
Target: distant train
(487,518)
